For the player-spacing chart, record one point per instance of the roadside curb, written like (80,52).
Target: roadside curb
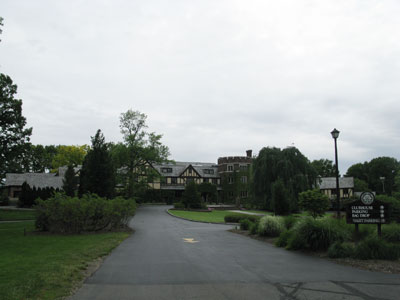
(199,221)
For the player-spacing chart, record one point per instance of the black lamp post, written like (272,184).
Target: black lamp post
(335,135)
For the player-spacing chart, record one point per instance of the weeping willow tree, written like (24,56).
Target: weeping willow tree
(288,165)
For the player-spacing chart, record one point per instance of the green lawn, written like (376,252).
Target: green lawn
(45,266)
(11,214)
(215,216)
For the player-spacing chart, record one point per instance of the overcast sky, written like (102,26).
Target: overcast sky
(215,77)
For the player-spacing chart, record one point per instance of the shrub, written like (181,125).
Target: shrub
(341,250)
(282,240)
(253,228)
(394,206)
(63,214)
(270,226)
(320,234)
(295,241)
(236,217)
(289,221)
(314,202)
(391,232)
(4,200)
(245,224)
(179,205)
(375,248)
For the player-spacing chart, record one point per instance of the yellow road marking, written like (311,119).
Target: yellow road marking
(191,241)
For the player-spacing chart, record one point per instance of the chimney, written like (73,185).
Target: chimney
(248,153)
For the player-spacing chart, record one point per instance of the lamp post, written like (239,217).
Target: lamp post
(335,135)
(383,184)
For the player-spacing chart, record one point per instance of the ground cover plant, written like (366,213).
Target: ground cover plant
(16,214)
(47,266)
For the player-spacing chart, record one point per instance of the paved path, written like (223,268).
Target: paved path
(170,258)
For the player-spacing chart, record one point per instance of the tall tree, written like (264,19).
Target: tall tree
(379,173)
(70,182)
(97,174)
(324,167)
(14,137)
(69,155)
(140,148)
(288,164)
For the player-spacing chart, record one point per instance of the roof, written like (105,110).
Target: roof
(179,167)
(329,183)
(38,180)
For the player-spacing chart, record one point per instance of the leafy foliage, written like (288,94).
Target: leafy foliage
(341,250)
(97,174)
(318,234)
(375,248)
(14,137)
(280,198)
(208,191)
(288,164)
(391,232)
(70,182)
(372,171)
(63,214)
(324,167)
(315,202)
(191,197)
(271,226)
(140,148)
(237,217)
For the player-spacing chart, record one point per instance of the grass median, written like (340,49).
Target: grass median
(47,266)
(215,216)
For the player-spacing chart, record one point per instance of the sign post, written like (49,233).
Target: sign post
(367,210)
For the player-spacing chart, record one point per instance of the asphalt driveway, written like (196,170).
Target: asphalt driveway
(170,258)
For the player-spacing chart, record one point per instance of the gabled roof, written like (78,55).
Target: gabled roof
(179,167)
(38,180)
(329,183)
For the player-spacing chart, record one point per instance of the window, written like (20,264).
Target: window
(190,170)
(208,171)
(243,179)
(243,194)
(205,180)
(214,180)
(230,180)
(166,170)
(243,167)
(174,180)
(230,167)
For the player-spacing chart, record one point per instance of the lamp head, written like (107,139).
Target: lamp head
(335,133)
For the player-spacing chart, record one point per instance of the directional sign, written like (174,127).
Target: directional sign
(367,210)
(191,241)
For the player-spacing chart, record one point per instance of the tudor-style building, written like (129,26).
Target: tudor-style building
(327,185)
(174,176)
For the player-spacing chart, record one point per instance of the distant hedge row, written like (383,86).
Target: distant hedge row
(63,214)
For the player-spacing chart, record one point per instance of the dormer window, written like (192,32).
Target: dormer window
(209,171)
(166,170)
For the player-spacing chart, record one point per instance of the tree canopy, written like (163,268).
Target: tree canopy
(139,149)
(97,174)
(324,167)
(289,165)
(371,172)
(14,137)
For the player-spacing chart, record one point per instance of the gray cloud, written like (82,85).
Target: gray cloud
(215,77)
